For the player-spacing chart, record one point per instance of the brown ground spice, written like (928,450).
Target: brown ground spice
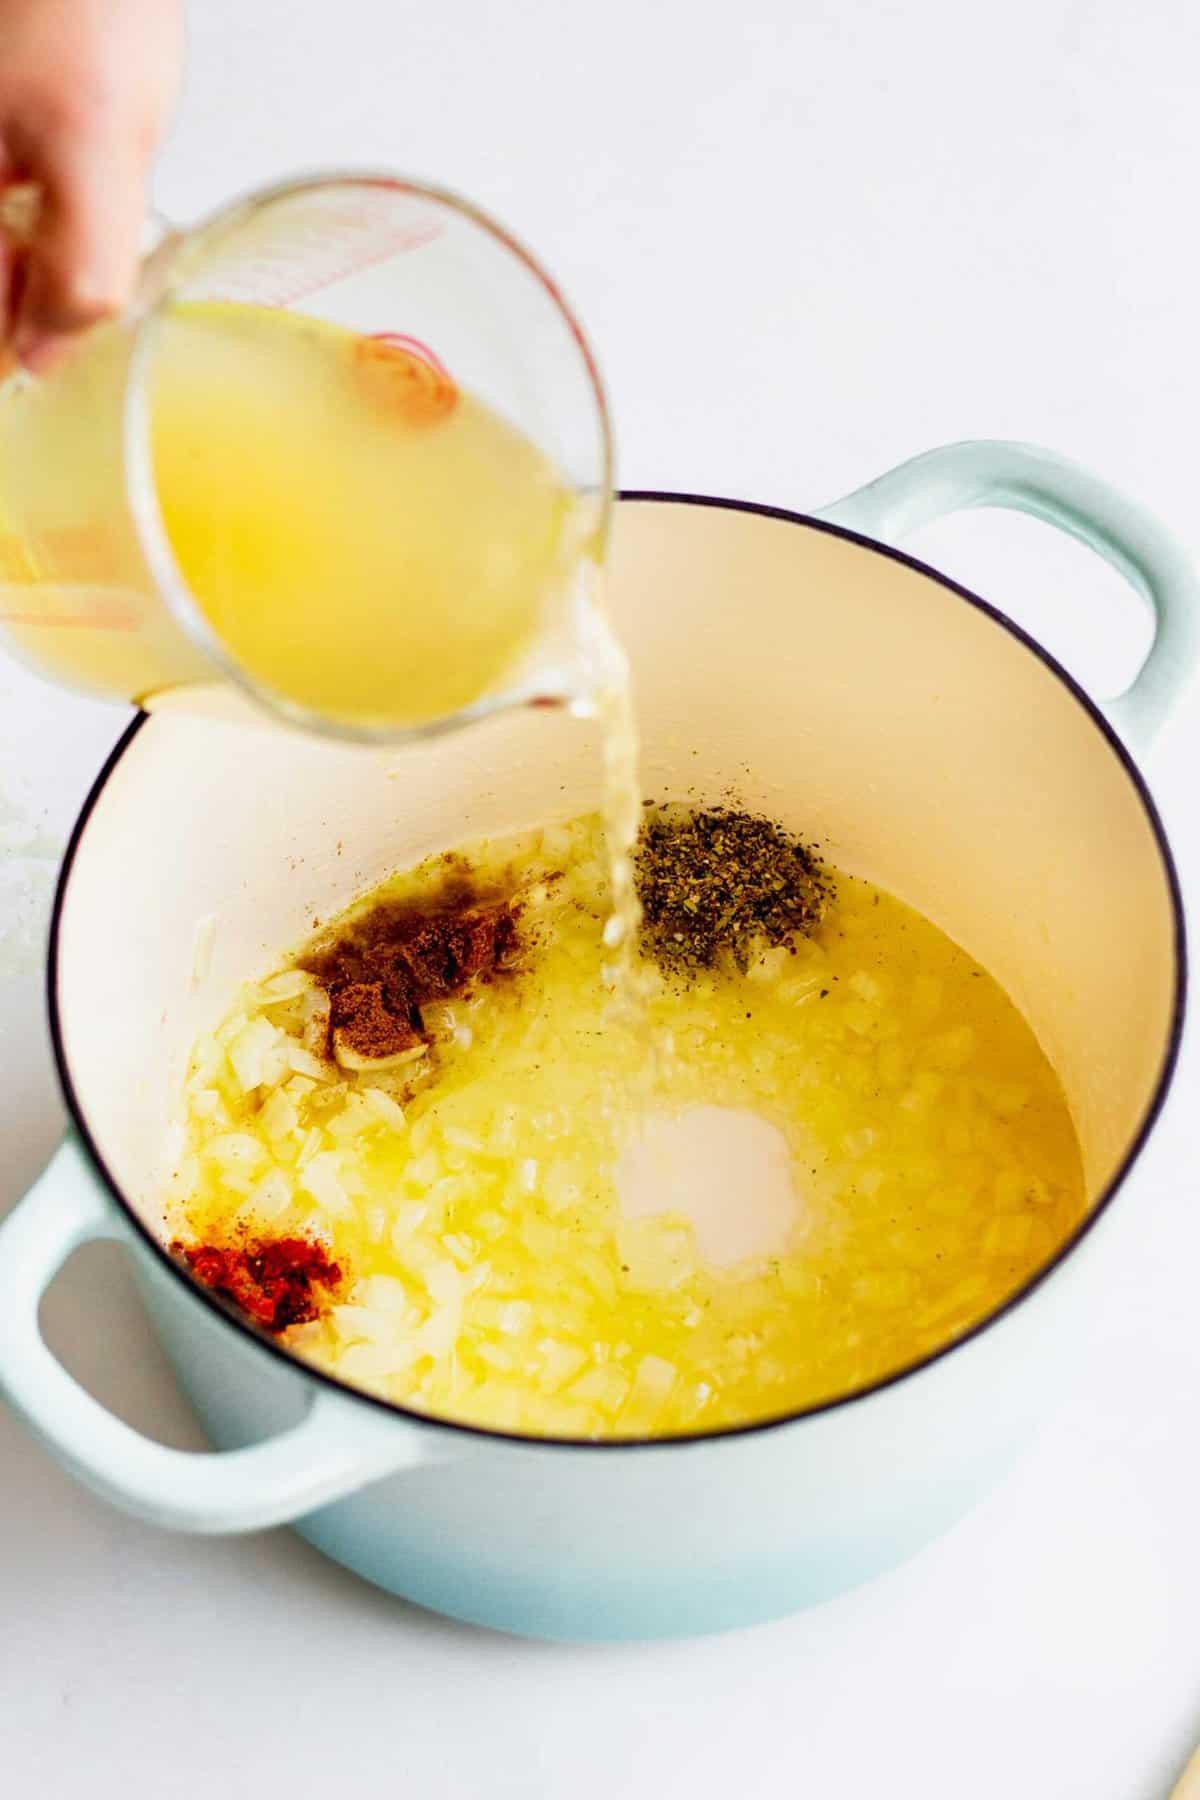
(384,967)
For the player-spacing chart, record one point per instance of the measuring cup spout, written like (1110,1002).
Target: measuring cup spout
(575,660)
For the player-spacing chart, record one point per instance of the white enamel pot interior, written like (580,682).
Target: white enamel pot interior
(862,700)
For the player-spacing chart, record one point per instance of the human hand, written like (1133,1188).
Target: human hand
(86,88)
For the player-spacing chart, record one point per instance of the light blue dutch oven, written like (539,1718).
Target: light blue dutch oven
(862,698)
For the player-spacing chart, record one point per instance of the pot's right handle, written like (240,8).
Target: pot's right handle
(339,1446)
(1025,479)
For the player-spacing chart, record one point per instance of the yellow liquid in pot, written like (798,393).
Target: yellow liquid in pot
(494,1273)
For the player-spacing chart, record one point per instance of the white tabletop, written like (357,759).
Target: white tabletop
(809,240)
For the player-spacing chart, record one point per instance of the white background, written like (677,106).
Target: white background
(809,239)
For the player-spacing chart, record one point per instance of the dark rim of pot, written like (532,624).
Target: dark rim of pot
(773,1423)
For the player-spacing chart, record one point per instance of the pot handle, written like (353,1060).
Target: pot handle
(338,1447)
(1025,479)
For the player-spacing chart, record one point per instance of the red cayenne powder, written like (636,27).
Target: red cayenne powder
(275,1282)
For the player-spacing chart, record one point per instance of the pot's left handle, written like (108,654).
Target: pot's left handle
(1023,478)
(338,1447)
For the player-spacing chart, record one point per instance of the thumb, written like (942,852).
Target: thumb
(81,265)
(8,270)
(8,265)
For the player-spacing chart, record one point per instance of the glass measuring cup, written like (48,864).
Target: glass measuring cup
(91,591)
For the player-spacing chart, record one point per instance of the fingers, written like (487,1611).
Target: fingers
(86,87)
(8,270)
(81,265)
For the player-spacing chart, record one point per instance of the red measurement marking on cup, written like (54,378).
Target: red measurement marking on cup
(341,268)
(93,616)
(64,579)
(64,553)
(340,240)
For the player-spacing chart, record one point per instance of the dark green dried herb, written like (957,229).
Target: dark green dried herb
(718,884)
